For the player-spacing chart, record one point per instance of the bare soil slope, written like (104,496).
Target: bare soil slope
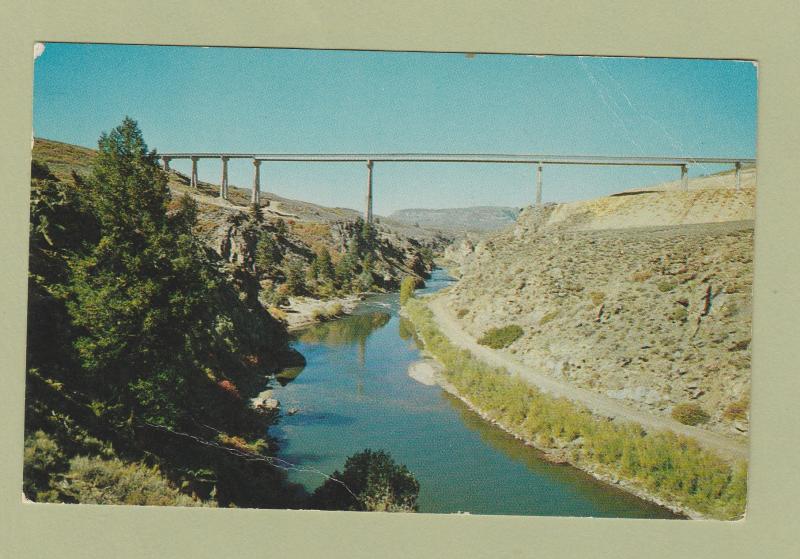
(645,298)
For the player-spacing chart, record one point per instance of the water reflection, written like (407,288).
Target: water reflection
(344,331)
(619,503)
(347,331)
(355,393)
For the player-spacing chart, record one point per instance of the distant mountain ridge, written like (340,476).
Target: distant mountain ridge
(476,218)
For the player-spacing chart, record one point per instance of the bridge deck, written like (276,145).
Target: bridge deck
(469,158)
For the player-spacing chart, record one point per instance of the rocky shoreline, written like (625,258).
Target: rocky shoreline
(307,311)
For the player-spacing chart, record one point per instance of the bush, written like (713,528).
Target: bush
(335,310)
(498,338)
(113,482)
(664,286)
(689,414)
(42,459)
(641,275)
(371,481)
(597,297)
(737,411)
(679,314)
(407,289)
(229,388)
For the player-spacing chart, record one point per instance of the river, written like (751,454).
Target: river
(355,393)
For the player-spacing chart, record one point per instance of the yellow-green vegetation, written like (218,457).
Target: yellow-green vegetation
(690,414)
(548,317)
(666,465)
(498,338)
(52,477)
(328,313)
(407,289)
(597,297)
(665,286)
(679,313)
(737,411)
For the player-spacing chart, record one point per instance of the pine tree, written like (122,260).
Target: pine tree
(139,297)
(295,277)
(268,254)
(325,269)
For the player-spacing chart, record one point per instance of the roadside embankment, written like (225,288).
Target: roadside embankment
(667,468)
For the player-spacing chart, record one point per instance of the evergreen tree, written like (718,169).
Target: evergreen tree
(139,297)
(295,277)
(365,279)
(325,269)
(268,253)
(371,481)
(345,270)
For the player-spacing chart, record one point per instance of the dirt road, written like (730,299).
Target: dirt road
(597,403)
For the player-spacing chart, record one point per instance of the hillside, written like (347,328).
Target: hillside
(645,298)
(299,231)
(458,220)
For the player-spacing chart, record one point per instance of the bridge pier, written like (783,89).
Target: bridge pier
(223,183)
(255,198)
(166,161)
(539,185)
(684,177)
(368,209)
(738,175)
(194,171)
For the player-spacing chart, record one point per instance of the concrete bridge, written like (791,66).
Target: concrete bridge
(536,160)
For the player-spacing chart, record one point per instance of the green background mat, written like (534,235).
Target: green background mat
(768,32)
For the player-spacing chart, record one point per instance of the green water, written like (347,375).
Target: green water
(355,393)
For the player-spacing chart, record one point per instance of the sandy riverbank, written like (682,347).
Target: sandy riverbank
(305,311)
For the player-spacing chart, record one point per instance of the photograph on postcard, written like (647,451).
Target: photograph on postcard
(390,281)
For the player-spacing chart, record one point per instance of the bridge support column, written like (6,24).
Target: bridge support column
(194,171)
(166,161)
(539,185)
(368,209)
(738,175)
(684,177)
(255,198)
(223,183)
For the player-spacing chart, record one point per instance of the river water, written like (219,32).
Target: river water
(355,393)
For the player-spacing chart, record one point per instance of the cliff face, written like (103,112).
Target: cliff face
(655,315)
(225,229)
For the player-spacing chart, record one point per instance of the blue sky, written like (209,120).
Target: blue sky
(275,100)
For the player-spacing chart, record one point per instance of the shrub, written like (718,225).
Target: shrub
(665,286)
(335,310)
(42,459)
(407,289)
(737,411)
(113,482)
(641,275)
(462,313)
(597,297)
(371,481)
(498,338)
(679,314)
(690,414)
(229,388)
